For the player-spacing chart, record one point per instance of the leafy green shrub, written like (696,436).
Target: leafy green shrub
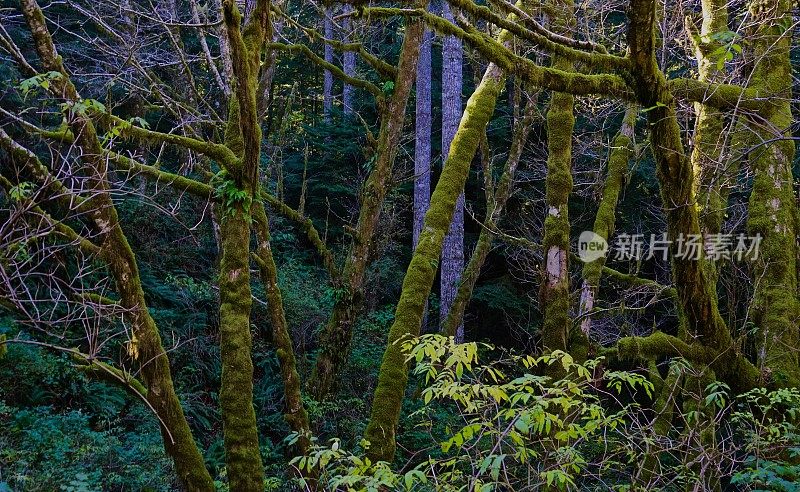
(43,450)
(550,423)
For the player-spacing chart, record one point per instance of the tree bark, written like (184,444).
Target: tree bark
(554,292)
(327,83)
(243,137)
(697,300)
(772,208)
(711,172)
(422,142)
(348,65)
(453,250)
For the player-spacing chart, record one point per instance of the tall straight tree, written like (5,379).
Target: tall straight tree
(348,64)
(453,249)
(327,83)
(772,212)
(422,142)
(555,242)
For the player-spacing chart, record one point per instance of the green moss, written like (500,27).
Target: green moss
(554,293)
(772,209)
(295,412)
(240,433)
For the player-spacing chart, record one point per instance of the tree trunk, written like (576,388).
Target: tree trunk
(327,83)
(243,137)
(224,50)
(453,250)
(712,174)
(422,142)
(554,292)
(348,65)
(604,222)
(295,415)
(772,210)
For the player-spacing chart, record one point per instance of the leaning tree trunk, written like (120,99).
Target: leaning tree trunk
(145,345)
(338,332)
(296,415)
(772,210)
(453,250)
(418,281)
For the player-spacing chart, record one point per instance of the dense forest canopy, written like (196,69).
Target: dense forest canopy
(468,245)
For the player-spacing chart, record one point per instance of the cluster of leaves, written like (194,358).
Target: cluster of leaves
(529,422)
(38,81)
(230,194)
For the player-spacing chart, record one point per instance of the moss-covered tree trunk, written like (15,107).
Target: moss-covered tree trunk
(554,291)
(604,222)
(496,201)
(772,208)
(243,137)
(145,345)
(696,293)
(338,332)
(418,281)
(295,413)
(711,172)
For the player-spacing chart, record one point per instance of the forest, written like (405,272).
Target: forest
(351,245)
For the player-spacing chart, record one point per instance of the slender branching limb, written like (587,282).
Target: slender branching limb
(336,71)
